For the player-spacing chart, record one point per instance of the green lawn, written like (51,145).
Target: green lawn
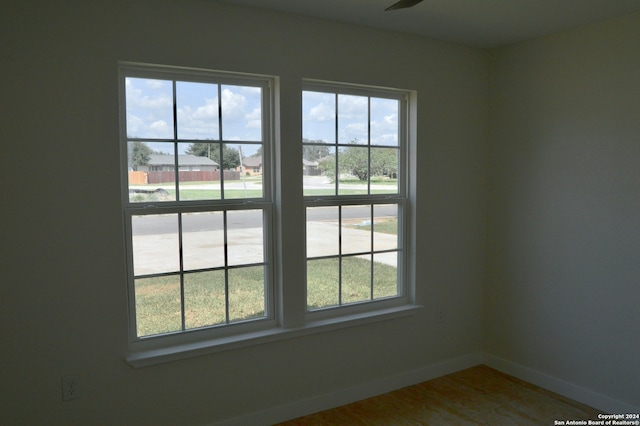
(214,194)
(323,289)
(374,181)
(189,192)
(311,192)
(195,194)
(385,226)
(158,299)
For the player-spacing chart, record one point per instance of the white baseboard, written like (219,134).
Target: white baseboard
(356,393)
(577,393)
(390,383)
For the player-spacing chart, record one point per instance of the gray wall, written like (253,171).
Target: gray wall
(563,256)
(528,165)
(63,302)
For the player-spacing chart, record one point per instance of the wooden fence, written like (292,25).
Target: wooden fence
(144,178)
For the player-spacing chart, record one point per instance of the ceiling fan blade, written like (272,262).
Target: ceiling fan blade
(402,4)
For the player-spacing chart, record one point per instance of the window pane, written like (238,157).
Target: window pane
(197,110)
(246,293)
(319,170)
(245,237)
(228,158)
(155,244)
(356,229)
(158,305)
(385,275)
(149,108)
(322,231)
(199,175)
(356,279)
(204,299)
(318,117)
(363,162)
(241,113)
(197,146)
(353,166)
(385,227)
(244,176)
(151,176)
(384,170)
(202,240)
(323,283)
(384,121)
(353,119)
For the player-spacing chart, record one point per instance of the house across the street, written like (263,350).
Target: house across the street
(310,168)
(186,162)
(161,169)
(252,166)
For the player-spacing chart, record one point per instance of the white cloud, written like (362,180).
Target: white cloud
(387,123)
(233,105)
(254,118)
(150,110)
(352,107)
(241,113)
(208,111)
(318,107)
(385,139)
(155,84)
(354,132)
(134,125)
(158,97)
(322,112)
(160,126)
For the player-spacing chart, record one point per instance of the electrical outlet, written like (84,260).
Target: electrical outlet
(440,317)
(70,388)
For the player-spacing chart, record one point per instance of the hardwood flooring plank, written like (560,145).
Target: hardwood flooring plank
(475,396)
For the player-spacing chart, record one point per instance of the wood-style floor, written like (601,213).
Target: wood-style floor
(476,396)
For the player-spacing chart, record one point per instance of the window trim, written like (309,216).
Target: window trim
(187,348)
(281,322)
(401,199)
(265,203)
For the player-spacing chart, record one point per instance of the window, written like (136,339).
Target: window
(198,205)
(198,237)
(355,141)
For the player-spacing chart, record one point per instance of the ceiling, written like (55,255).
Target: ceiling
(478,23)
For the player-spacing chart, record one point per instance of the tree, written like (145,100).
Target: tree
(258,153)
(327,166)
(315,152)
(230,156)
(354,160)
(384,162)
(140,155)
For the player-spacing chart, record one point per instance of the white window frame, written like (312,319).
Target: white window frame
(401,199)
(283,320)
(265,203)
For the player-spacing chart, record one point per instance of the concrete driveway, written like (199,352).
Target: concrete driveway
(158,253)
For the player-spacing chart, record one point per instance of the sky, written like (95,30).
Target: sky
(352,115)
(149,115)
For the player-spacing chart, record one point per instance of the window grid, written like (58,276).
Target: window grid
(341,199)
(160,209)
(371,298)
(371,253)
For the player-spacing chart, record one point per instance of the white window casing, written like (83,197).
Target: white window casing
(202,245)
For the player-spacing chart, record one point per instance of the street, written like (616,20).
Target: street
(162,224)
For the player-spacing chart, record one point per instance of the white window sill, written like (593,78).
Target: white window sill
(144,358)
